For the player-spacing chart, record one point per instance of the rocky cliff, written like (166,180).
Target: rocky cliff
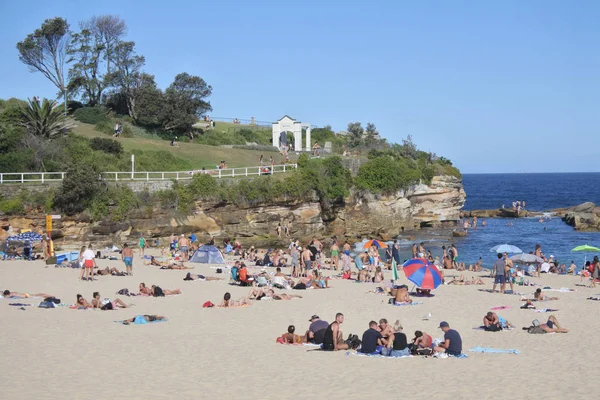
(359,215)
(584,217)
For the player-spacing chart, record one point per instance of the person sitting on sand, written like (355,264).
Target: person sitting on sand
(478,267)
(291,338)
(110,271)
(228,303)
(281,281)
(494,322)
(541,296)
(258,293)
(148,318)
(552,326)
(401,295)
(107,304)
(166,292)
(18,295)
(398,346)
(333,339)
(387,333)
(372,340)
(81,302)
(422,340)
(197,277)
(378,277)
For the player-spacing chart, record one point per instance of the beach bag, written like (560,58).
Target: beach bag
(300,286)
(158,292)
(123,292)
(52,300)
(493,328)
(47,304)
(208,304)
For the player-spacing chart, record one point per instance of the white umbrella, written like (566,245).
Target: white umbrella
(527,259)
(505,248)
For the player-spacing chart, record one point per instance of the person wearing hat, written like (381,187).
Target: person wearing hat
(316,330)
(452,344)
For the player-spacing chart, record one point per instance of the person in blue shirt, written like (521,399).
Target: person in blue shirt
(452,344)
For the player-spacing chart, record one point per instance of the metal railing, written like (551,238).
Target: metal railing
(42,177)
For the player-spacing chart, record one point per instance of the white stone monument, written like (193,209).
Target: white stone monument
(287,124)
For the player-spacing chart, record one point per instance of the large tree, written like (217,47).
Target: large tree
(92,51)
(355,131)
(45,50)
(184,102)
(127,75)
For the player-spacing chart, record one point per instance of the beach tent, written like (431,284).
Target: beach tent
(208,254)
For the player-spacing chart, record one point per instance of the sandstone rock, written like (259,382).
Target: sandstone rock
(584,217)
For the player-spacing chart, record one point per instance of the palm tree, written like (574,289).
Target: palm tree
(44,120)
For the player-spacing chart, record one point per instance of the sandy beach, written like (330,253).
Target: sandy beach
(231,353)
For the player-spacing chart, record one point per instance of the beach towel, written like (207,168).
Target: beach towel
(505,292)
(492,350)
(546,310)
(415,294)
(500,308)
(593,298)
(562,290)
(20,304)
(445,355)
(414,303)
(140,320)
(376,355)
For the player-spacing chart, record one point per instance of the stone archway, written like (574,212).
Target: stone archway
(287,124)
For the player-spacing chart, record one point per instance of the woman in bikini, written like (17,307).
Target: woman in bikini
(291,338)
(18,295)
(378,278)
(166,292)
(228,303)
(258,294)
(82,303)
(107,304)
(541,296)
(148,318)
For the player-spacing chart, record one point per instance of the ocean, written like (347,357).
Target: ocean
(541,192)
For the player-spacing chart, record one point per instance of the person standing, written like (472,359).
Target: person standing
(454,252)
(595,273)
(500,274)
(278,230)
(508,271)
(142,245)
(396,252)
(184,247)
(452,344)
(45,248)
(127,257)
(295,253)
(307,261)
(89,262)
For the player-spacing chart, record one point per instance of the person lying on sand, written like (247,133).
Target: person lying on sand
(81,302)
(461,281)
(541,296)
(110,271)
(148,318)
(166,292)
(19,295)
(493,321)
(291,338)
(228,303)
(175,266)
(198,277)
(258,293)
(144,291)
(552,326)
(422,340)
(107,304)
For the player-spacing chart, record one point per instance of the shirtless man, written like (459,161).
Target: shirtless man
(496,322)
(258,293)
(552,326)
(387,332)
(184,247)
(228,303)
(110,271)
(401,295)
(306,261)
(144,290)
(333,339)
(422,340)
(127,256)
(541,296)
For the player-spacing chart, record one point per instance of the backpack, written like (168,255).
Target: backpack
(47,304)
(52,300)
(493,328)
(123,292)
(158,292)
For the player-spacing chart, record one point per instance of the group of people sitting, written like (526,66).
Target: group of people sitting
(380,338)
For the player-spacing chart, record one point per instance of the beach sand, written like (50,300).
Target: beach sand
(231,353)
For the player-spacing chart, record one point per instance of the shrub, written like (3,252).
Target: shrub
(12,206)
(258,147)
(80,187)
(386,175)
(203,187)
(106,145)
(108,127)
(91,115)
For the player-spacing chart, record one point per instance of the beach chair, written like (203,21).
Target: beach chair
(262,281)
(234,274)
(358,263)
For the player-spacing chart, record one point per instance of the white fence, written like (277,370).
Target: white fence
(42,177)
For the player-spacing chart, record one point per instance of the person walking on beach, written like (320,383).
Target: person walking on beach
(142,245)
(454,255)
(335,258)
(538,253)
(127,256)
(89,262)
(307,261)
(508,270)
(500,274)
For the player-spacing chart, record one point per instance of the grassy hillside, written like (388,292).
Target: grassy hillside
(196,155)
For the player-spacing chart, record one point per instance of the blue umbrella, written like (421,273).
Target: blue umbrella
(505,248)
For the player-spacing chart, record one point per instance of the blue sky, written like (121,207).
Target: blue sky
(496,86)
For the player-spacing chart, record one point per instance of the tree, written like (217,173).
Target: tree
(356,131)
(149,100)
(79,188)
(44,120)
(184,102)
(92,51)
(409,148)
(127,75)
(45,50)
(371,132)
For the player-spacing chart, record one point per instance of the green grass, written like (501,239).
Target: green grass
(196,155)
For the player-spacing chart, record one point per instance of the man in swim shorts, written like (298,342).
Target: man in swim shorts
(184,246)
(127,256)
(499,273)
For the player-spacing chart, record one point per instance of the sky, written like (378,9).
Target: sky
(495,86)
